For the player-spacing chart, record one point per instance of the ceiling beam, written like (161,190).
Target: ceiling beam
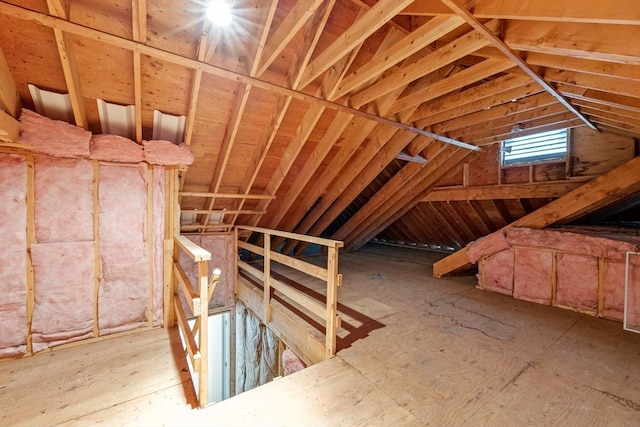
(360,30)
(289,27)
(509,53)
(53,22)
(484,69)
(601,191)
(435,60)
(539,190)
(593,11)
(310,37)
(402,49)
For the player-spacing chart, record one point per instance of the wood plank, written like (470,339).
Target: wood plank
(295,236)
(591,11)
(404,48)
(505,191)
(605,84)
(486,68)
(497,42)
(300,265)
(72,28)
(9,96)
(366,25)
(294,21)
(287,329)
(191,294)
(591,66)
(9,128)
(587,198)
(195,252)
(437,59)
(588,41)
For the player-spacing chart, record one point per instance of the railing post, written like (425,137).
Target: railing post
(332,302)
(203,334)
(267,277)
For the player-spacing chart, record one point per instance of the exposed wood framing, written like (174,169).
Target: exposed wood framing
(502,46)
(589,197)
(507,191)
(9,96)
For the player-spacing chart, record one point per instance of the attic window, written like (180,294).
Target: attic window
(539,147)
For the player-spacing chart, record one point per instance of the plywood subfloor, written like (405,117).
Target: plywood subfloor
(413,351)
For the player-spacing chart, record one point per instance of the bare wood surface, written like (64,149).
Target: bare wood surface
(417,351)
(589,197)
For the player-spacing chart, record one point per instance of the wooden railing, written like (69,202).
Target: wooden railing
(197,298)
(278,319)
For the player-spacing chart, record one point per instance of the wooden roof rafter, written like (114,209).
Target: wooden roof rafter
(66,51)
(240,100)
(301,59)
(509,53)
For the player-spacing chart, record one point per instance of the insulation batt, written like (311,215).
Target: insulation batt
(63,200)
(532,275)
(497,272)
(124,283)
(166,153)
(291,362)
(114,148)
(577,281)
(53,137)
(13,262)
(573,243)
(64,284)
(487,245)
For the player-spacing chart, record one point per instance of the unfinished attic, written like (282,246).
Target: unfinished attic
(319,212)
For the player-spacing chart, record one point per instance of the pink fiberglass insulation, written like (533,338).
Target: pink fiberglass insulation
(220,247)
(158,243)
(124,283)
(532,275)
(291,362)
(53,137)
(166,153)
(613,290)
(487,245)
(115,148)
(633,294)
(568,242)
(64,285)
(63,200)
(13,262)
(577,281)
(497,272)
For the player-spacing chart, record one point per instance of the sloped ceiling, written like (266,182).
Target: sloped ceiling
(297,112)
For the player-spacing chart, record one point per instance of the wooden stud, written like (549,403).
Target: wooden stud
(31,239)
(150,240)
(203,335)
(9,128)
(332,302)
(601,279)
(9,96)
(96,248)
(554,278)
(267,277)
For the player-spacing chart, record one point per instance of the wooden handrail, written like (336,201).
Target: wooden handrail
(282,323)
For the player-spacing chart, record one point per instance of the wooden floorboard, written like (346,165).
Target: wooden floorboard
(413,350)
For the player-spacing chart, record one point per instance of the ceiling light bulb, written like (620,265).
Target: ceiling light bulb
(219,12)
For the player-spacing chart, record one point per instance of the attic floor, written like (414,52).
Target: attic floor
(413,351)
